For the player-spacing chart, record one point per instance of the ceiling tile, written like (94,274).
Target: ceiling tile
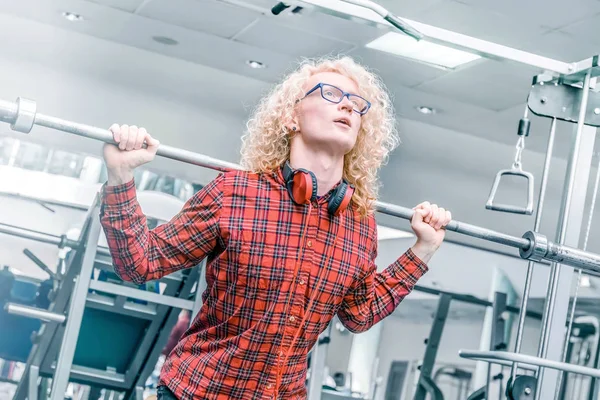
(208,16)
(494,96)
(96,17)
(205,49)
(490,84)
(585,30)
(561,46)
(450,113)
(540,13)
(269,35)
(396,71)
(125,5)
(480,23)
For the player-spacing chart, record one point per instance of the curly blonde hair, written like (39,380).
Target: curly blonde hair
(266,143)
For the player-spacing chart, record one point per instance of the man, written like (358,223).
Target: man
(290,242)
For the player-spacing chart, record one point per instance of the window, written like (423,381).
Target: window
(32,156)
(7,146)
(65,164)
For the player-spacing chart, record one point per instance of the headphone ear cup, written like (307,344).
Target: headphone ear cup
(340,199)
(304,187)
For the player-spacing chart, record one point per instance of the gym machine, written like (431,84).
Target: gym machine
(582,349)
(426,386)
(583,343)
(561,93)
(76,340)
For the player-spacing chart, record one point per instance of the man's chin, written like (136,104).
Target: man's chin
(333,144)
(340,147)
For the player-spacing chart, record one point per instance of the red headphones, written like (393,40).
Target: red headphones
(302,188)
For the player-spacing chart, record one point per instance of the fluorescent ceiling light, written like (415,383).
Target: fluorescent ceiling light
(403,45)
(386,233)
(430,53)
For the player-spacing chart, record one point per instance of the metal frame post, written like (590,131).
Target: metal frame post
(568,232)
(64,362)
(497,332)
(48,331)
(425,384)
(317,364)
(536,227)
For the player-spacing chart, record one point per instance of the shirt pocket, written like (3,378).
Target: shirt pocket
(253,268)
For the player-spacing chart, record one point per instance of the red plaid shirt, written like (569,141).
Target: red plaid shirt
(277,273)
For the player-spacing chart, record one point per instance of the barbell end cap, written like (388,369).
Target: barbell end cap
(25,118)
(538,247)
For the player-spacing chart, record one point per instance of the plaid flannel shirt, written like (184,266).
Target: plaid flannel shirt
(276,274)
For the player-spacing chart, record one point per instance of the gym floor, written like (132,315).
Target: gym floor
(192,71)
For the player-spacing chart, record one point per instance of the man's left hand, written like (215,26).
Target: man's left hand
(428,223)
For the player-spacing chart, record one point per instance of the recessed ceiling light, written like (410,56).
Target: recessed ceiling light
(426,110)
(427,52)
(585,281)
(72,17)
(255,64)
(165,40)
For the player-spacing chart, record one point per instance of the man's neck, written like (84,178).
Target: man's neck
(327,168)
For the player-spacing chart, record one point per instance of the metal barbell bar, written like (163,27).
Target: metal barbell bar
(60,241)
(22,116)
(34,312)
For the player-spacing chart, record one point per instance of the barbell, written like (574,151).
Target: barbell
(22,116)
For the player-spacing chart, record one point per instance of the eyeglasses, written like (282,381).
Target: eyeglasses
(335,95)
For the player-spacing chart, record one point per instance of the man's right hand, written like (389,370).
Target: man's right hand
(128,153)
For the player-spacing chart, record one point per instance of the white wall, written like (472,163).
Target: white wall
(85,97)
(98,83)
(338,352)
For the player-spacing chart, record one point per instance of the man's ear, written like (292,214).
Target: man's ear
(292,124)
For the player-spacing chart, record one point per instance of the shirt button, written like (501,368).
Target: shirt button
(302,282)
(309,244)
(292,318)
(269,386)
